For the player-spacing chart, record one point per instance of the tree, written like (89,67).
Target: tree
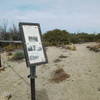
(14,33)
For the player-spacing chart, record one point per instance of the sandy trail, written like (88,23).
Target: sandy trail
(82,65)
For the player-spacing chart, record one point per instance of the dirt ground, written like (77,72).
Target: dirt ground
(82,65)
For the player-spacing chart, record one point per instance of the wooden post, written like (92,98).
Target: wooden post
(0,61)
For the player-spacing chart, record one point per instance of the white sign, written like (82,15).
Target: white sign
(33,44)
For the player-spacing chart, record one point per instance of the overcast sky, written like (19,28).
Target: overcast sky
(71,15)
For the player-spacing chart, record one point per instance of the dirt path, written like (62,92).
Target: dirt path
(82,65)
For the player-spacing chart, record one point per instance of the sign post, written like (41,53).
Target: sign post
(33,48)
(0,61)
(32,81)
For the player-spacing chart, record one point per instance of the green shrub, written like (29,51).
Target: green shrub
(61,37)
(56,37)
(18,55)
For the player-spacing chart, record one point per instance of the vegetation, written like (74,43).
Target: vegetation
(11,33)
(12,47)
(95,48)
(18,55)
(61,37)
(54,37)
(71,47)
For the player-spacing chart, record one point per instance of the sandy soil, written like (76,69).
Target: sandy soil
(82,65)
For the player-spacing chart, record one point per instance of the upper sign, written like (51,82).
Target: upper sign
(31,37)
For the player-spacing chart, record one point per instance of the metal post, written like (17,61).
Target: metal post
(32,80)
(0,61)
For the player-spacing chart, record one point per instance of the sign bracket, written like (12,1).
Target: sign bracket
(32,72)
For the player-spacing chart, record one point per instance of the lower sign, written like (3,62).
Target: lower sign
(34,50)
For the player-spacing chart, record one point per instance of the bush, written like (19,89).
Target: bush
(71,47)
(56,37)
(18,55)
(98,41)
(61,37)
(9,47)
(9,54)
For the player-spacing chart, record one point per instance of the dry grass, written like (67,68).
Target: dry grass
(5,96)
(95,48)
(57,60)
(71,47)
(2,69)
(62,56)
(60,75)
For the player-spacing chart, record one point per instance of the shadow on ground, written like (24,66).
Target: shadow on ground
(42,95)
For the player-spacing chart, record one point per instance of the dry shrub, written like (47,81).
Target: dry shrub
(6,96)
(95,48)
(19,46)
(98,41)
(10,47)
(57,60)
(71,47)
(62,56)
(9,53)
(2,69)
(18,56)
(60,75)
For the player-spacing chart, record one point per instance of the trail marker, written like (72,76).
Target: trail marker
(34,51)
